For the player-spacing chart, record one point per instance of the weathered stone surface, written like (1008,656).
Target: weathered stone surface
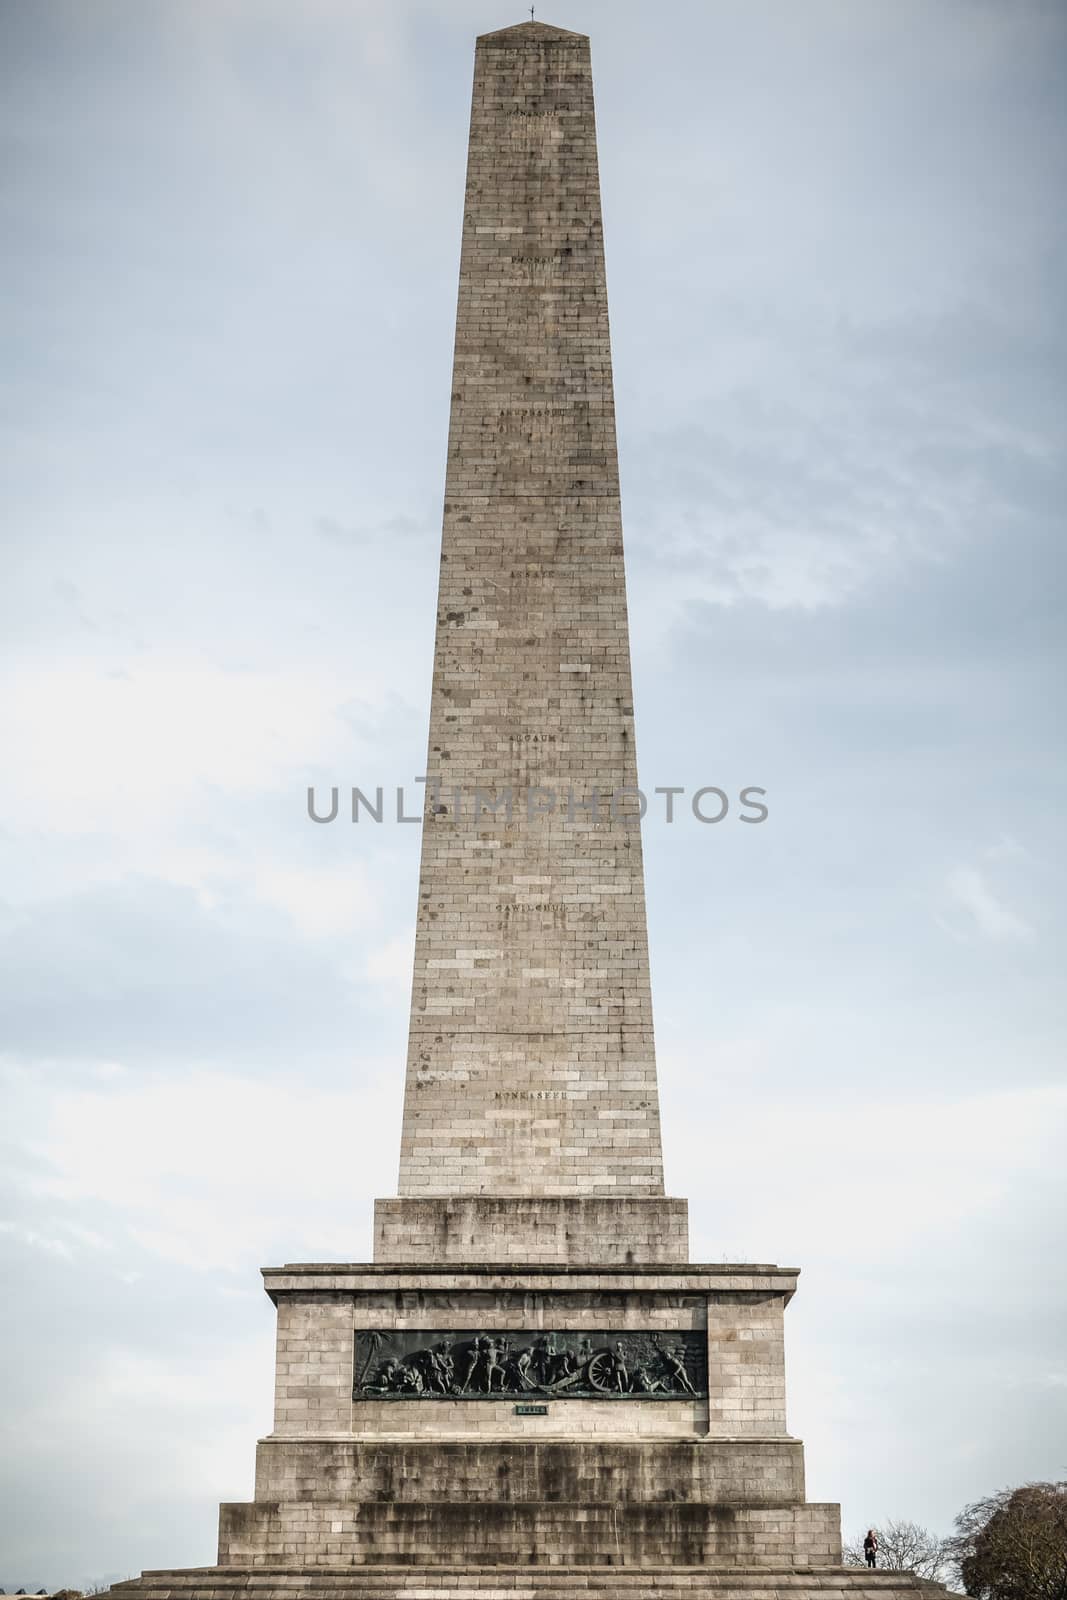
(479,1582)
(531,1065)
(739,1311)
(398,1533)
(578,1230)
(551,1470)
(336,1277)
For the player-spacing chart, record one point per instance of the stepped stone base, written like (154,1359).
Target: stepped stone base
(537,1534)
(352,1477)
(567,1471)
(520,1583)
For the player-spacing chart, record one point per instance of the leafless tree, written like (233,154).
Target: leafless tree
(904,1547)
(1013,1545)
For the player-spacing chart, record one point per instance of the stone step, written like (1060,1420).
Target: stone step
(519,1583)
(526,1534)
(569,1471)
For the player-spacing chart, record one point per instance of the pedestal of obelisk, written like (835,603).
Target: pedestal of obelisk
(531,1391)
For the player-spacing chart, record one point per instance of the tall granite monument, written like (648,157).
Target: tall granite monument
(530,1391)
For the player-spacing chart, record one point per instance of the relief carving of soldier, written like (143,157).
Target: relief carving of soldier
(494,1364)
(474,1361)
(517,1370)
(566,1365)
(675,1363)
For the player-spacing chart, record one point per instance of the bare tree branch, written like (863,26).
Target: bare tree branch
(1013,1545)
(903,1547)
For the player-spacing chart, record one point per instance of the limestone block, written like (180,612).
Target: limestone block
(478,1582)
(538,1228)
(554,1470)
(442,1534)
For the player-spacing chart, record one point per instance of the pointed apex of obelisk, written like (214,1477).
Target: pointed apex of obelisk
(529,33)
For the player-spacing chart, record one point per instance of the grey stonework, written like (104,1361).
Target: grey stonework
(579,1230)
(531,1196)
(738,1312)
(509,1534)
(478,1581)
(531,1064)
(767,1471)
(550,1486)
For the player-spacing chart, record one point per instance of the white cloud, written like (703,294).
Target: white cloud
(391,964)
(34,1240)
(90,751)
(200,1168)
(323,901)
(1007,848)
(868,1178)
(969,891)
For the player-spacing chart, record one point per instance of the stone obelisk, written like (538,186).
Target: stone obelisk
(531,1064)
(530,1391)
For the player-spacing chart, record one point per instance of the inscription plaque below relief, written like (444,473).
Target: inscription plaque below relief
(477,1364)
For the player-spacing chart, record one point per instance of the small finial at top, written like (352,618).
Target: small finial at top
(531,13)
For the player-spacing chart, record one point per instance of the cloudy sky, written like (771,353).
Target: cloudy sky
(836,264)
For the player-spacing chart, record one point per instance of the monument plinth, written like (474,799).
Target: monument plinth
(531,1390)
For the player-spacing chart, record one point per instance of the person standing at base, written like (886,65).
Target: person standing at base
(870,1548)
